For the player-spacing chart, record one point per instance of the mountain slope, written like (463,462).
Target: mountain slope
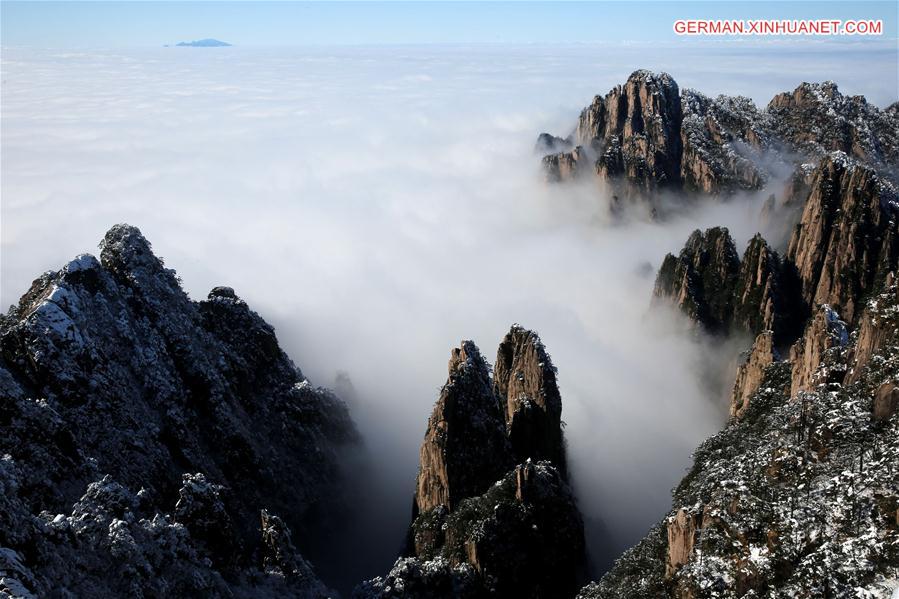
(155,445)
(797,498)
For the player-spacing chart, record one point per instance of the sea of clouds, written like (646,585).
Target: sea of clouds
(378,205)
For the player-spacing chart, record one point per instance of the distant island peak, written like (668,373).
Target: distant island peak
(204,43)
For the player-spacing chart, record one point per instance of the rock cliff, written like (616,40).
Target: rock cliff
(845,241)
(648,136)
(843,246)
(465,449)
(702,279)
(524,379)
(797,497)
(144,433)
(493,513)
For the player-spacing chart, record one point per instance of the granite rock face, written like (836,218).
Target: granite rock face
(115,383)
(824,333)
(493,514)
(841,249)
(788,497)
(648,136)
(845,241)
(640,141)
(524,379)
(817,118)
(751,373)
(465,449)
(631,136)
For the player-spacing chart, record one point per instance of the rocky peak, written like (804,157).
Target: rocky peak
(108,368)
(129,257)
(591,125)
(641,134)
(816,118)
(646,136)
(525,381)
(701,280)
(724,294)
(550,144)
(465,448)
(472,503)
(767,294)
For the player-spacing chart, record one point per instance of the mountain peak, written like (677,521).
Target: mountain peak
(203,43)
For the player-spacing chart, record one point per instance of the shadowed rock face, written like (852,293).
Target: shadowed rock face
(523,537)
(483,526)
(842,248)
(108,368)
(825,332)
(702,279)
(465,449)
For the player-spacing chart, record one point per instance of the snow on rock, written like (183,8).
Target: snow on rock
(144,432)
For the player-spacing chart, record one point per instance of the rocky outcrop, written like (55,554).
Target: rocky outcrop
(816,118)
(647,136)
(702,279)
(565,166)
(731,530)
(794,498)
(722,142)
(767,294)
(751,373)
(524,379)
(682,529)
(465,448)
(825,332)
(640,147)
(843,247)
(845,242)
(482,524)
(630,138)
(878,326)
(886,402)
(523,537)
(108,368)
(550,144)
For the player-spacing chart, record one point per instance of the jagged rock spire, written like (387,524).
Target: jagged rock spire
(525,381)
(465,448)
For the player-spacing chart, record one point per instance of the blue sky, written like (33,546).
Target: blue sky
(81,24)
